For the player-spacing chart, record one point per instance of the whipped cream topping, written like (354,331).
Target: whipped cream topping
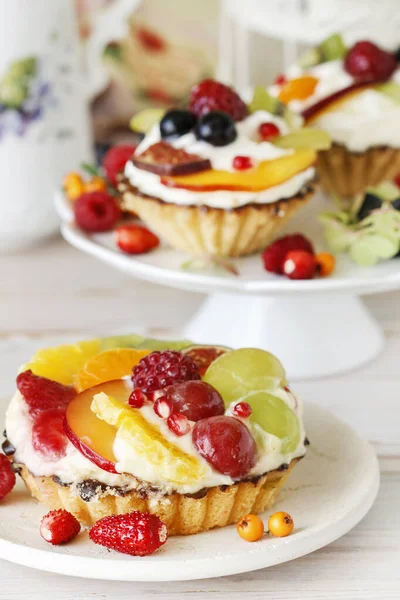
(74,467)
(365,120)
(221,158)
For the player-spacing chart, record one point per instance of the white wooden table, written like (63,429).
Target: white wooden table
(54,293)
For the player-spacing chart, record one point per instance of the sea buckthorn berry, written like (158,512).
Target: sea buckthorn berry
(250,528)
(280,524)
(326,263)
(163,407)
(73,185)
(241,163)
(268,131)
(242,410)
(96,184)
(137,399)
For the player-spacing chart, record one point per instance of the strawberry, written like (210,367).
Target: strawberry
(59,527)
(299,264)
(96,211)
(115,160)
(135,533)
(42,394)
(48,436)
(210,95)
(7,477)
(136,239)
(274,255)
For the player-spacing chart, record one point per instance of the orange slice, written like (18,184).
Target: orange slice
(108,365)
(298,89)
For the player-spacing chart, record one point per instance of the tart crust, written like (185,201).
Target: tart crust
(183,514)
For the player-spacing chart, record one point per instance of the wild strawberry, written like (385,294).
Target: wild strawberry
(158,370)
(299,264)
(42,394)
(274,255)
(7,477)
(365,61)
(136,239)
(241,163)
(242,410)
(48,436)
(115,160)
(137,399)
(163,407)
(178,424)
(210,95)
(268,131)
(59,527)
(135,533)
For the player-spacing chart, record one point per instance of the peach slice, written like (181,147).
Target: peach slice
(299,88)
(93,437)
(265,175)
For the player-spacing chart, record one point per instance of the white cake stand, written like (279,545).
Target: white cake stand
(318,327)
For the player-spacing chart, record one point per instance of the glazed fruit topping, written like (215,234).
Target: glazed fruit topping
(48,435)
(195,400)
(96,212)
(203,356)
(137,399)
(299,264)
(241,163)
(178,424)
(136,239)
(135,533)
(242,410)
(365,61)
(7,477)
(159,370)
(163,407)
(115,160)
(299,88)
(210,95)
(163,159)
(42,394)
(226,444)
(268,131)
(176,123)
(59,527)
(216,128)
(274,256)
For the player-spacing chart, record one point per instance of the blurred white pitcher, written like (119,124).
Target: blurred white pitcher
(44,125)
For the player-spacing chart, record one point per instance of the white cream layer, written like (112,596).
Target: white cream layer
(74,467)
(366,120)
(246,144)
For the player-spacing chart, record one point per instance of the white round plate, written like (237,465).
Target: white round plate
(327,494)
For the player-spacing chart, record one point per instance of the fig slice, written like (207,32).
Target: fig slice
(163,159)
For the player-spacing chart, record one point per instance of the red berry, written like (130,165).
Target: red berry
(135,239)
(163,407)
(7,477)
(48,436)
(210,95)
(397,180)
(59,527)
(178,424)
(115,160)
(227,444)
(151,41)
(280,79)
(365,61)
(195,399)
(42,394)
(242,410)
(299,264)
(137,399)
(274,255)
(158,370)
(135,533)
(96,212)
(241,163)
(268,131)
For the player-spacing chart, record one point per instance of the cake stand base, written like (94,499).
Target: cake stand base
(313,336)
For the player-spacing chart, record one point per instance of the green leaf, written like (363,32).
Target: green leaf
(91,169)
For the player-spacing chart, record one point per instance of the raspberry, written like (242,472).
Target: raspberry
(299,264)
(241,163)
(365,61)
(274,255)
(210,95)
(48,436)
(135,239)
(59,527)
(158,370)
(7,477)
(96,212)
(42,394)
(135,533)
(268,131)
(115,160)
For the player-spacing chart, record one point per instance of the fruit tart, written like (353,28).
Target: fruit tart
(220,178)
(354,95)
(197,435)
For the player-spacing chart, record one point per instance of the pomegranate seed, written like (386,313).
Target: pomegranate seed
(242,410)
(268,131)
(299,264)
(280,79)
(137,399)
(241,163)
(163,407)
(178,424)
